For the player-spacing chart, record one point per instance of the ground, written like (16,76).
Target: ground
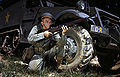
(12,66)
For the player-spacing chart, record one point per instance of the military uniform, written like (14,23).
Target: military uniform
(42,45)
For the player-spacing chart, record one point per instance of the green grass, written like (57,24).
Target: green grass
(11,67)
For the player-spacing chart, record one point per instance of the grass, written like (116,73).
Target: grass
(13,67)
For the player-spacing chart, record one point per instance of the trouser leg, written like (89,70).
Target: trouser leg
(59,56)
(58,53)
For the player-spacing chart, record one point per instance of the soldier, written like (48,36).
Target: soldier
(44,46)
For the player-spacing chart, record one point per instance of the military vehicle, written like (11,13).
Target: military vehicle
(97,34)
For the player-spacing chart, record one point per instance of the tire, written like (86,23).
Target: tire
(78,50)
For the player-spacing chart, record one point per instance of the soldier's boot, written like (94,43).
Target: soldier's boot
(27,55)
(59,60)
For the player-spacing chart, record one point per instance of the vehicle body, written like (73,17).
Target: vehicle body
(98,35)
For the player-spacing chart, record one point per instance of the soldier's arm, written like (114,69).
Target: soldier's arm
(34,36)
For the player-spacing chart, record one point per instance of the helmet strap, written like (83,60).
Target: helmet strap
(44,25)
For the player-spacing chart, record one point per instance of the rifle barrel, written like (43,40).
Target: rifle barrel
(68,24)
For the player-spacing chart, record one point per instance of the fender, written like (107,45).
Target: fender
(70,15)
(76,13)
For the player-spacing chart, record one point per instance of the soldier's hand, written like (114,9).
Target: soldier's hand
(65,29)
(47,33)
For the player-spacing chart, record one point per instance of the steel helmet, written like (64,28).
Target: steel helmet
(48,15)
(36,63)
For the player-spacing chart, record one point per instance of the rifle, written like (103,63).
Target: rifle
(68,24)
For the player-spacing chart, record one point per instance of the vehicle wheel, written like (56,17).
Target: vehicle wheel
(78,50)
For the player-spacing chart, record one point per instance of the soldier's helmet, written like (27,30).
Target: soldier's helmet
(36,63)
(47,15)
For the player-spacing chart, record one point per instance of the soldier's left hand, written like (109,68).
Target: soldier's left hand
(65,29)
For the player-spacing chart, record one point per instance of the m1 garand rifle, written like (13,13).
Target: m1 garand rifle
(58,29)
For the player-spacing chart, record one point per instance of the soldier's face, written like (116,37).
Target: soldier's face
(46,22)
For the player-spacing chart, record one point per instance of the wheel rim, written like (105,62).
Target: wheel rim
(71,50)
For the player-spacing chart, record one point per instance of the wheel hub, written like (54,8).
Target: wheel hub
(70,49)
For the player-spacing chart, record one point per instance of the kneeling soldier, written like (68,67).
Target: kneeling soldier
(42,46)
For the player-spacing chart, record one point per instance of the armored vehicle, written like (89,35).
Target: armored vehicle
(93,31)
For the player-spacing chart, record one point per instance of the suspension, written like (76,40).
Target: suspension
(10,41)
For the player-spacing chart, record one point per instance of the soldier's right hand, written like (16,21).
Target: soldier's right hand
(47,33)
